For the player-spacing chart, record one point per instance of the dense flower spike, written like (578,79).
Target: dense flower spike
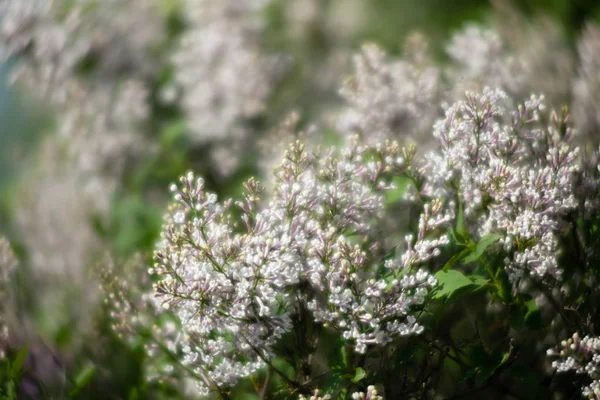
(8,262)
(132,312)
(315,396)
(274,145)
(81,58)
(370,395)
(391,99)
(361,308)
(581,355)
(96,139)
(585,87)
(538,52)
(237,288)
(401,98)
(224,76)
(55,39)
(512,174)
(481,60)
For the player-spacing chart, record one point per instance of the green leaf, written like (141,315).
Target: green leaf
(82,379)
(359,375)
(17,364)
(10,391)
(344,356)
(532,315)
(133,394)
(478,280)
(485,364)
(282,365)
(246,395)
(456,258)
(64,335)
(451,281)
(390,255)
(503,285)
(526,314)
(481,247)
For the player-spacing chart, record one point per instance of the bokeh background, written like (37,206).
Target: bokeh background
(71,350)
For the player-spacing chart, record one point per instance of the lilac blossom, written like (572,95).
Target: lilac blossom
(388,99)
(236,286)
(480,60)
(512,174)
(371,394)
(79,167)
(51,39)
(585,87)
(540,49)
(225,76)
(581,355)
(98,115)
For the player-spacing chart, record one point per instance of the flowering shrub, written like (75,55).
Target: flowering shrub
(515,178)
(429,233)
(311,249)
(309,258)
(580,355)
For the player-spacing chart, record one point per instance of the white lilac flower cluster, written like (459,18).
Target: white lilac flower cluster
(276,142)
(581,355)
(337,20)
(360,308)
(400,98)
(585,87)
(8,264)
(538,51)
(52,39)
(132,312)
(334,25)
(7,261)
(480,59)
(223,72)
(79,169)
(370,395)
(54,42)
(83,60)
(237,285)
(125,311)
(513,174)
(315,396)
(388,98)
